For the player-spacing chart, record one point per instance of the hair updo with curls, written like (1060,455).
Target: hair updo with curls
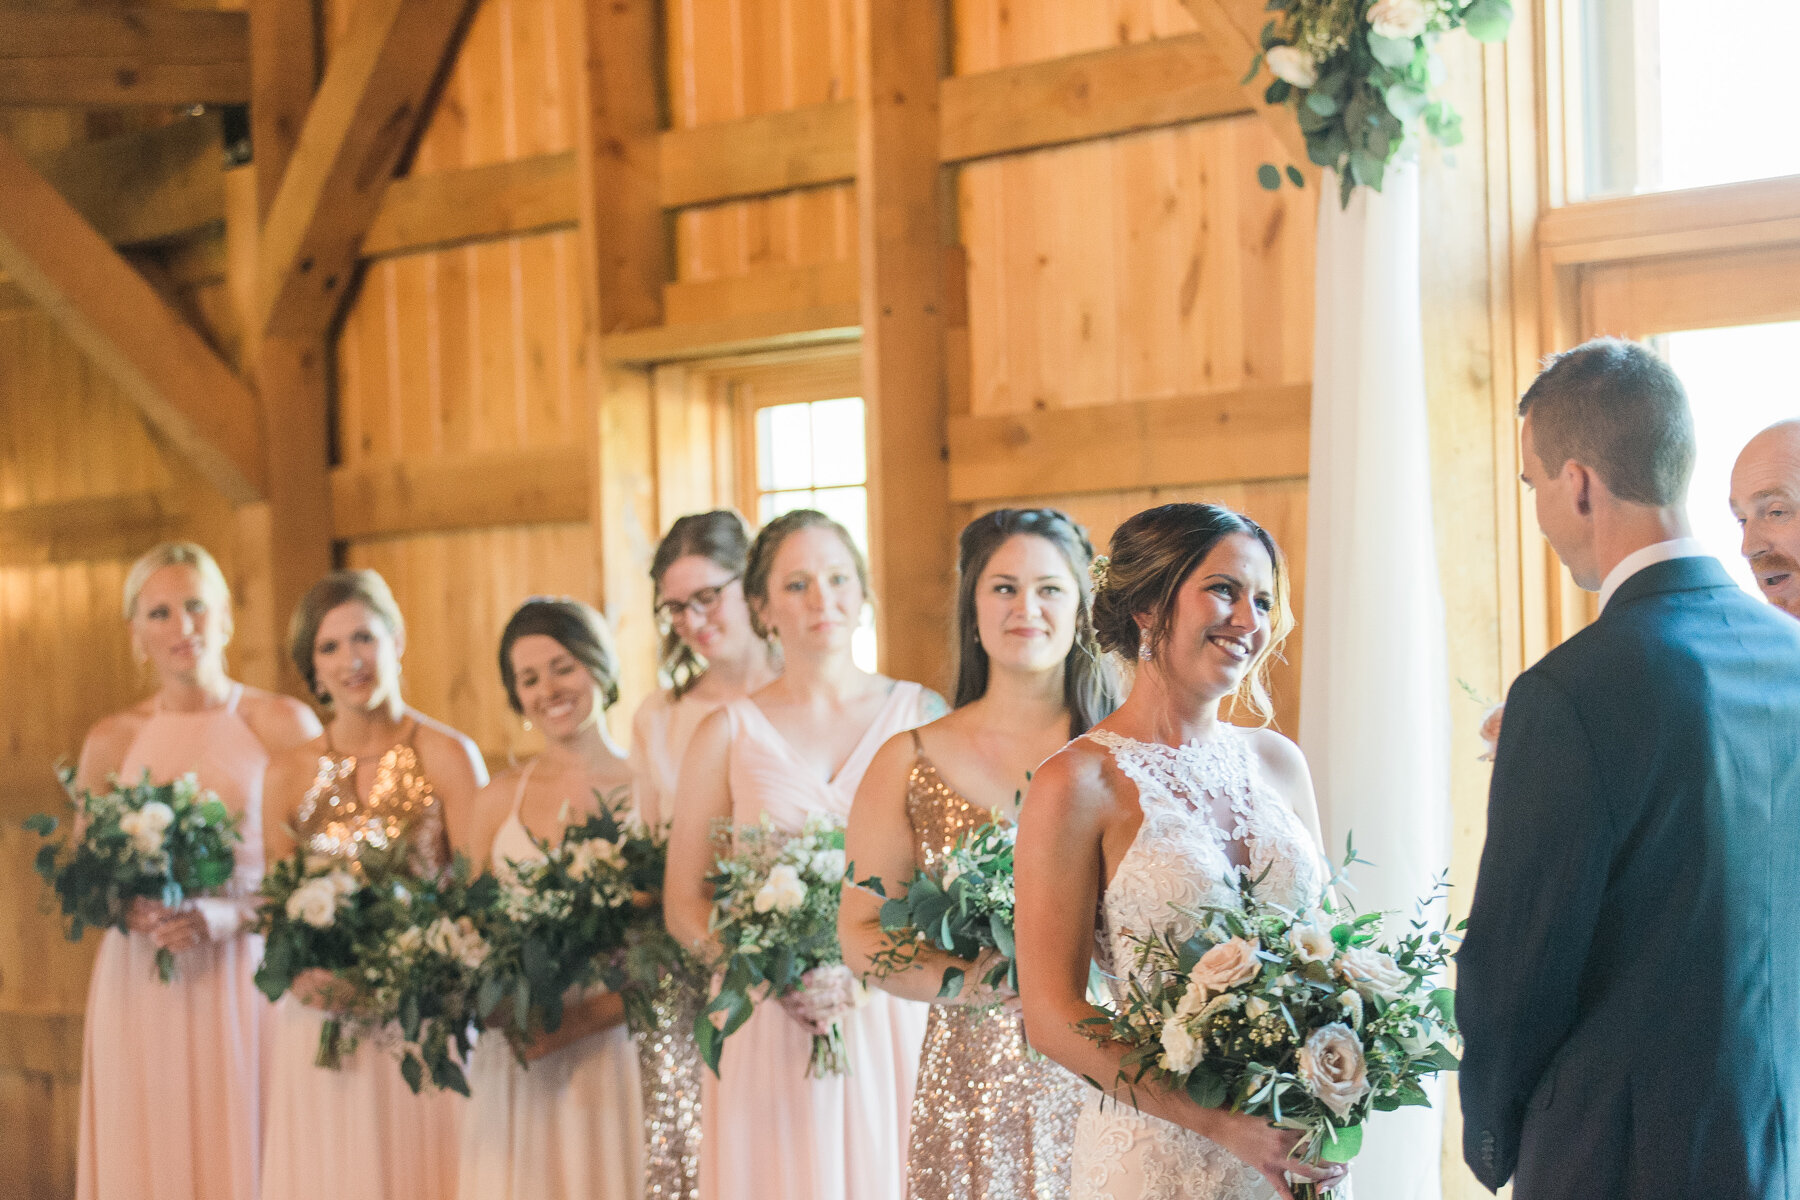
(1153,554)
(577,628)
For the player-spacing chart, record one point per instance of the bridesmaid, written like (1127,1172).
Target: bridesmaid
(381,771)
(569,1126)
(170,1074)
(795,748)
(711,654)
(991,1121)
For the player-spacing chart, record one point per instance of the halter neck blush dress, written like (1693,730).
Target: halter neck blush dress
(171,1073)
(358,1132)
(569,1126)
(772,1133)
(676,1084)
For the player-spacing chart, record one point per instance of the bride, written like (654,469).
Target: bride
(1164,805)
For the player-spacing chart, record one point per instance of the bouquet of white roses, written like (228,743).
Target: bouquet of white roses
(329,914)
(1310,1019)
(167,842)
(963,905)
(589,912)
(775,907)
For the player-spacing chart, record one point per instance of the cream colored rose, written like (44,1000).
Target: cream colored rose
(1373,973)
(1332,1067)
(1312,944)
(828,864)
(1227,965)
(1192,1000)
(1402,19)
(1490,731)
(314,902)
(783,891)
(1292,64)
(458,939)
(1257,1008)
(1181,1051)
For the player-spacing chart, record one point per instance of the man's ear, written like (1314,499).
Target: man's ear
(1582,482)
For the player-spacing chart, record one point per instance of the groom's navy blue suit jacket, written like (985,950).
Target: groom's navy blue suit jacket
(1629,990)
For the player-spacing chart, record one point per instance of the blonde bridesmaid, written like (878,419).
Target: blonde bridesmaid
(991,1121)
(795,748)
(380,772)
(170,1080)
(711,654)
(569,1125)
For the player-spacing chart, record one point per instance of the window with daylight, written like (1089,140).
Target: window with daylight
(1667,94)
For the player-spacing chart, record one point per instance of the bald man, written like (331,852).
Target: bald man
(1765,498)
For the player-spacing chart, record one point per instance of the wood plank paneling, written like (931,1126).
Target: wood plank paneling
(138,55)
(442,208)
(533,485)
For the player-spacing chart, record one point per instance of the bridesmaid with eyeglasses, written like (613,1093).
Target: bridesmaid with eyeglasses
(711,655)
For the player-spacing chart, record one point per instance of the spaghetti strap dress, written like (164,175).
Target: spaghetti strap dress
(358,1132)
(569,1126)
(992,1120)
(171,1099)
(773,1133)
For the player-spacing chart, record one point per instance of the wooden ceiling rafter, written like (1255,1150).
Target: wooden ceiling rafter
(1236,42)
(187,393)
(375,97)
(128,55)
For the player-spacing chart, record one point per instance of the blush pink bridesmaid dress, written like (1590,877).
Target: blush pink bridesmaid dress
(772,1133)
(171,1099)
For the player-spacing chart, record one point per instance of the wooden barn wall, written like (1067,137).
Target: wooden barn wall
(468,349)
(84,489)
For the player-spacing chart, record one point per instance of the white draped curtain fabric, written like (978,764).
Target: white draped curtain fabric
(1374,688)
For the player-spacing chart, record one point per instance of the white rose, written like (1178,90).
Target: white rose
(783,891)
(1331,1064)
(1192,1000)
(581,860)
(1373,973)
(409,941)
(1402,19)
(829,865)
(1227,965)
(1312,944)
(1292,64)
(342,882)
(1181,1052)
(157,815)
(313,902)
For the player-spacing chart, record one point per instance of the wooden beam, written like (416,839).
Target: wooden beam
(775,152)
(773,290)
(93,528)
(1145,85)
(1235,42)
(1763,212)
(527,486)
(123,56)
(365,117)
(899,49)
(147,186)
(751,333)
(1008,111)
(1215,437)
(182,387)
(284,73)
(424,212)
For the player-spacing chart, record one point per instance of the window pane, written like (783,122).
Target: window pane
(838,450)
(849,507)
(773,504)
(784,452)
(1739,381)
(1669,90)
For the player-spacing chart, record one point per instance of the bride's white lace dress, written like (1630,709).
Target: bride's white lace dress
(1179,859)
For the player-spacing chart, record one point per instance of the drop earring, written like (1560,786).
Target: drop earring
(527,723)
(1143,651)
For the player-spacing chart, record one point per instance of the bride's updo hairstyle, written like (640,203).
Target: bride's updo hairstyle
(1153,553)
(761,560)
(1088,690)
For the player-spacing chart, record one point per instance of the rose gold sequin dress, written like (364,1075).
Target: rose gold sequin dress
(358,1133)
(991,1121)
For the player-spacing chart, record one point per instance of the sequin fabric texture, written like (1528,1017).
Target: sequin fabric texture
(334,821)
(669,1065)
(991,1120)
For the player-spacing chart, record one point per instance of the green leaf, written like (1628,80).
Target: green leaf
(1207,1088)
(1405,101)
(1322,102)
(1269,177)
(1443,1058)
(1443,1000)
(952,985)
(1269,36)
(1488,20)
(1278,92)
(1346,1146)
(42,824)
(1366,169)
(413,1071)
(1255,67)
(1393,53)
(1295,177)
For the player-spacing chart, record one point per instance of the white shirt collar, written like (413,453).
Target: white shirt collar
(1649,556)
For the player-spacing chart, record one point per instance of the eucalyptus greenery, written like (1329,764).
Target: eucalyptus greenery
(962,906)
(1360,76)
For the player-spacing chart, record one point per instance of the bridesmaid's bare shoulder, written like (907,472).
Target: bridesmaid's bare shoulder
(280,722)
(448,753)
(104,748)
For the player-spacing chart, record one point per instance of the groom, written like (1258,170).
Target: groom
(1629,990)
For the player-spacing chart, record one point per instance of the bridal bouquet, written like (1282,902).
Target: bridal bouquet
(1309,1019)
(588,913)
(775,907)
(962,906)
(329,914)
(164,842)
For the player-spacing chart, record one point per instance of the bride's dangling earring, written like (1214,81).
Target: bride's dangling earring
(526,721)
(1144,652)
